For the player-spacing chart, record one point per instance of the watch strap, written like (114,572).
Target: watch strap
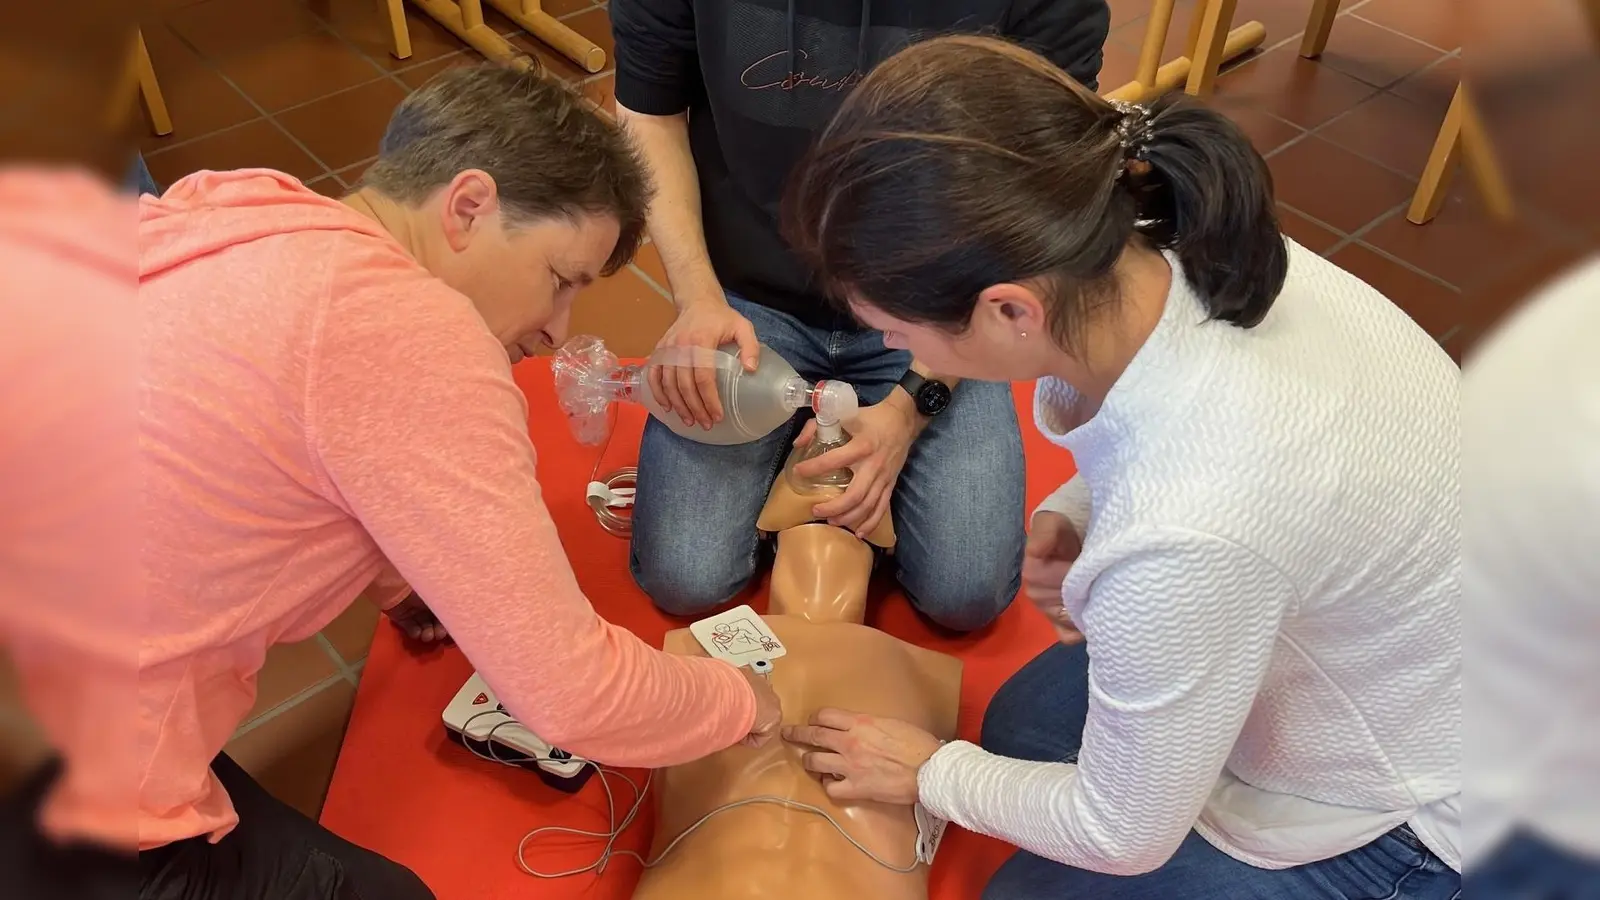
(912,382)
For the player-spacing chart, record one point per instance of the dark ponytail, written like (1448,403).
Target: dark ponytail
(965,162)
(1209,194)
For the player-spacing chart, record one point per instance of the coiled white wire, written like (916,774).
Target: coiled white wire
(611,520)
(610,836)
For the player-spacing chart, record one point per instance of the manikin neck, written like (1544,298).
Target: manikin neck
(820,574)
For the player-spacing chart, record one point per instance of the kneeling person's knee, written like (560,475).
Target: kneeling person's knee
(961,598)
(686,584)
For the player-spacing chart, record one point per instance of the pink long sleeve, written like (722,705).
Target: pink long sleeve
(419,432)
(69,569)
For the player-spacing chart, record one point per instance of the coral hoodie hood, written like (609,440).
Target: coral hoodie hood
(211,211)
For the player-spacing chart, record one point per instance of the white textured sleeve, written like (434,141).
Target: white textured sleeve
(1071,500)
(1180,630)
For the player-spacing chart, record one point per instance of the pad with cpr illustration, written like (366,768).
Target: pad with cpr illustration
(738,636)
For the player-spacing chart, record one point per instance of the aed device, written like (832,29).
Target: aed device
(478,721)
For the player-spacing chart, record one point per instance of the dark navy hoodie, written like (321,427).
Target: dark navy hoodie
(752,115)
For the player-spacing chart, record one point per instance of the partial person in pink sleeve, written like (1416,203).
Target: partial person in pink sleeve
(327,407)
(69,586)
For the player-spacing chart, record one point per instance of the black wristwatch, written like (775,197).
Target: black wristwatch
(931,397)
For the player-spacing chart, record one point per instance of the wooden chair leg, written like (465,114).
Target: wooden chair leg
(1215,20)
(1441,167)
(1462,141)
(1155,40)
(1479,158)
(398,30)
(464,19)
(1318,28)
(531,17)
(149,89)
(1197,21)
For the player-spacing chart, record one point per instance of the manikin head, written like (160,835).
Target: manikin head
(1000,221)
(512,189)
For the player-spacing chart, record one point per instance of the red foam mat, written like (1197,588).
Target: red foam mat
(402,789)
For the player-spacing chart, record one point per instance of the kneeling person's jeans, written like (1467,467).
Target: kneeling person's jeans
(1039,715)
(958,506)
(138,180)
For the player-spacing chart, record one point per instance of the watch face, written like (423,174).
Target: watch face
(933,398)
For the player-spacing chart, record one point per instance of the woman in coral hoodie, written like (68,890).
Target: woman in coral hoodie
(327,406)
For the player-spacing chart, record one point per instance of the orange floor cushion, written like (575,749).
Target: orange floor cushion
(405,790)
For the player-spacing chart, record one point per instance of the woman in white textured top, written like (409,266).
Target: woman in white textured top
(1256,572)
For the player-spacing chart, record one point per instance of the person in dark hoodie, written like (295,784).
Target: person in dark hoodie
(723,98)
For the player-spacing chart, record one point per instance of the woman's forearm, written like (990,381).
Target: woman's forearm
(675,223)
(1184,626)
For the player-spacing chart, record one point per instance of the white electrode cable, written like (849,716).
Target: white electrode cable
(610,836)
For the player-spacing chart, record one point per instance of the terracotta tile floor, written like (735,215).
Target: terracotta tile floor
(306,86)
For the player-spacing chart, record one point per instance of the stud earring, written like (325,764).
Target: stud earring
(1024,335)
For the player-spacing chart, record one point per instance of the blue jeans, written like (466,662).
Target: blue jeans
(958,507)
(138,179)
(1526,867)
(1039,713)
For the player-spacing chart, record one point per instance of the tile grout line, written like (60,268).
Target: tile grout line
(383,75)
(1354,237)
(328,29)
(645,277)
(1337,232)
(362,164)
(1357,238)
(1261,52)
(1317,131)
(273,712)
(164,148)
(212,64)
(337,658)
(1448,55)
(263,114)
(391,74)
(272,120)
(1410,37)
(1297,139)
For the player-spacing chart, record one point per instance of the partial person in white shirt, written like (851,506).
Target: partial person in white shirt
(1530,418)
(1261,550)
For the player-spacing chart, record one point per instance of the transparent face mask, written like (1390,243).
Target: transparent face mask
(587,379)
